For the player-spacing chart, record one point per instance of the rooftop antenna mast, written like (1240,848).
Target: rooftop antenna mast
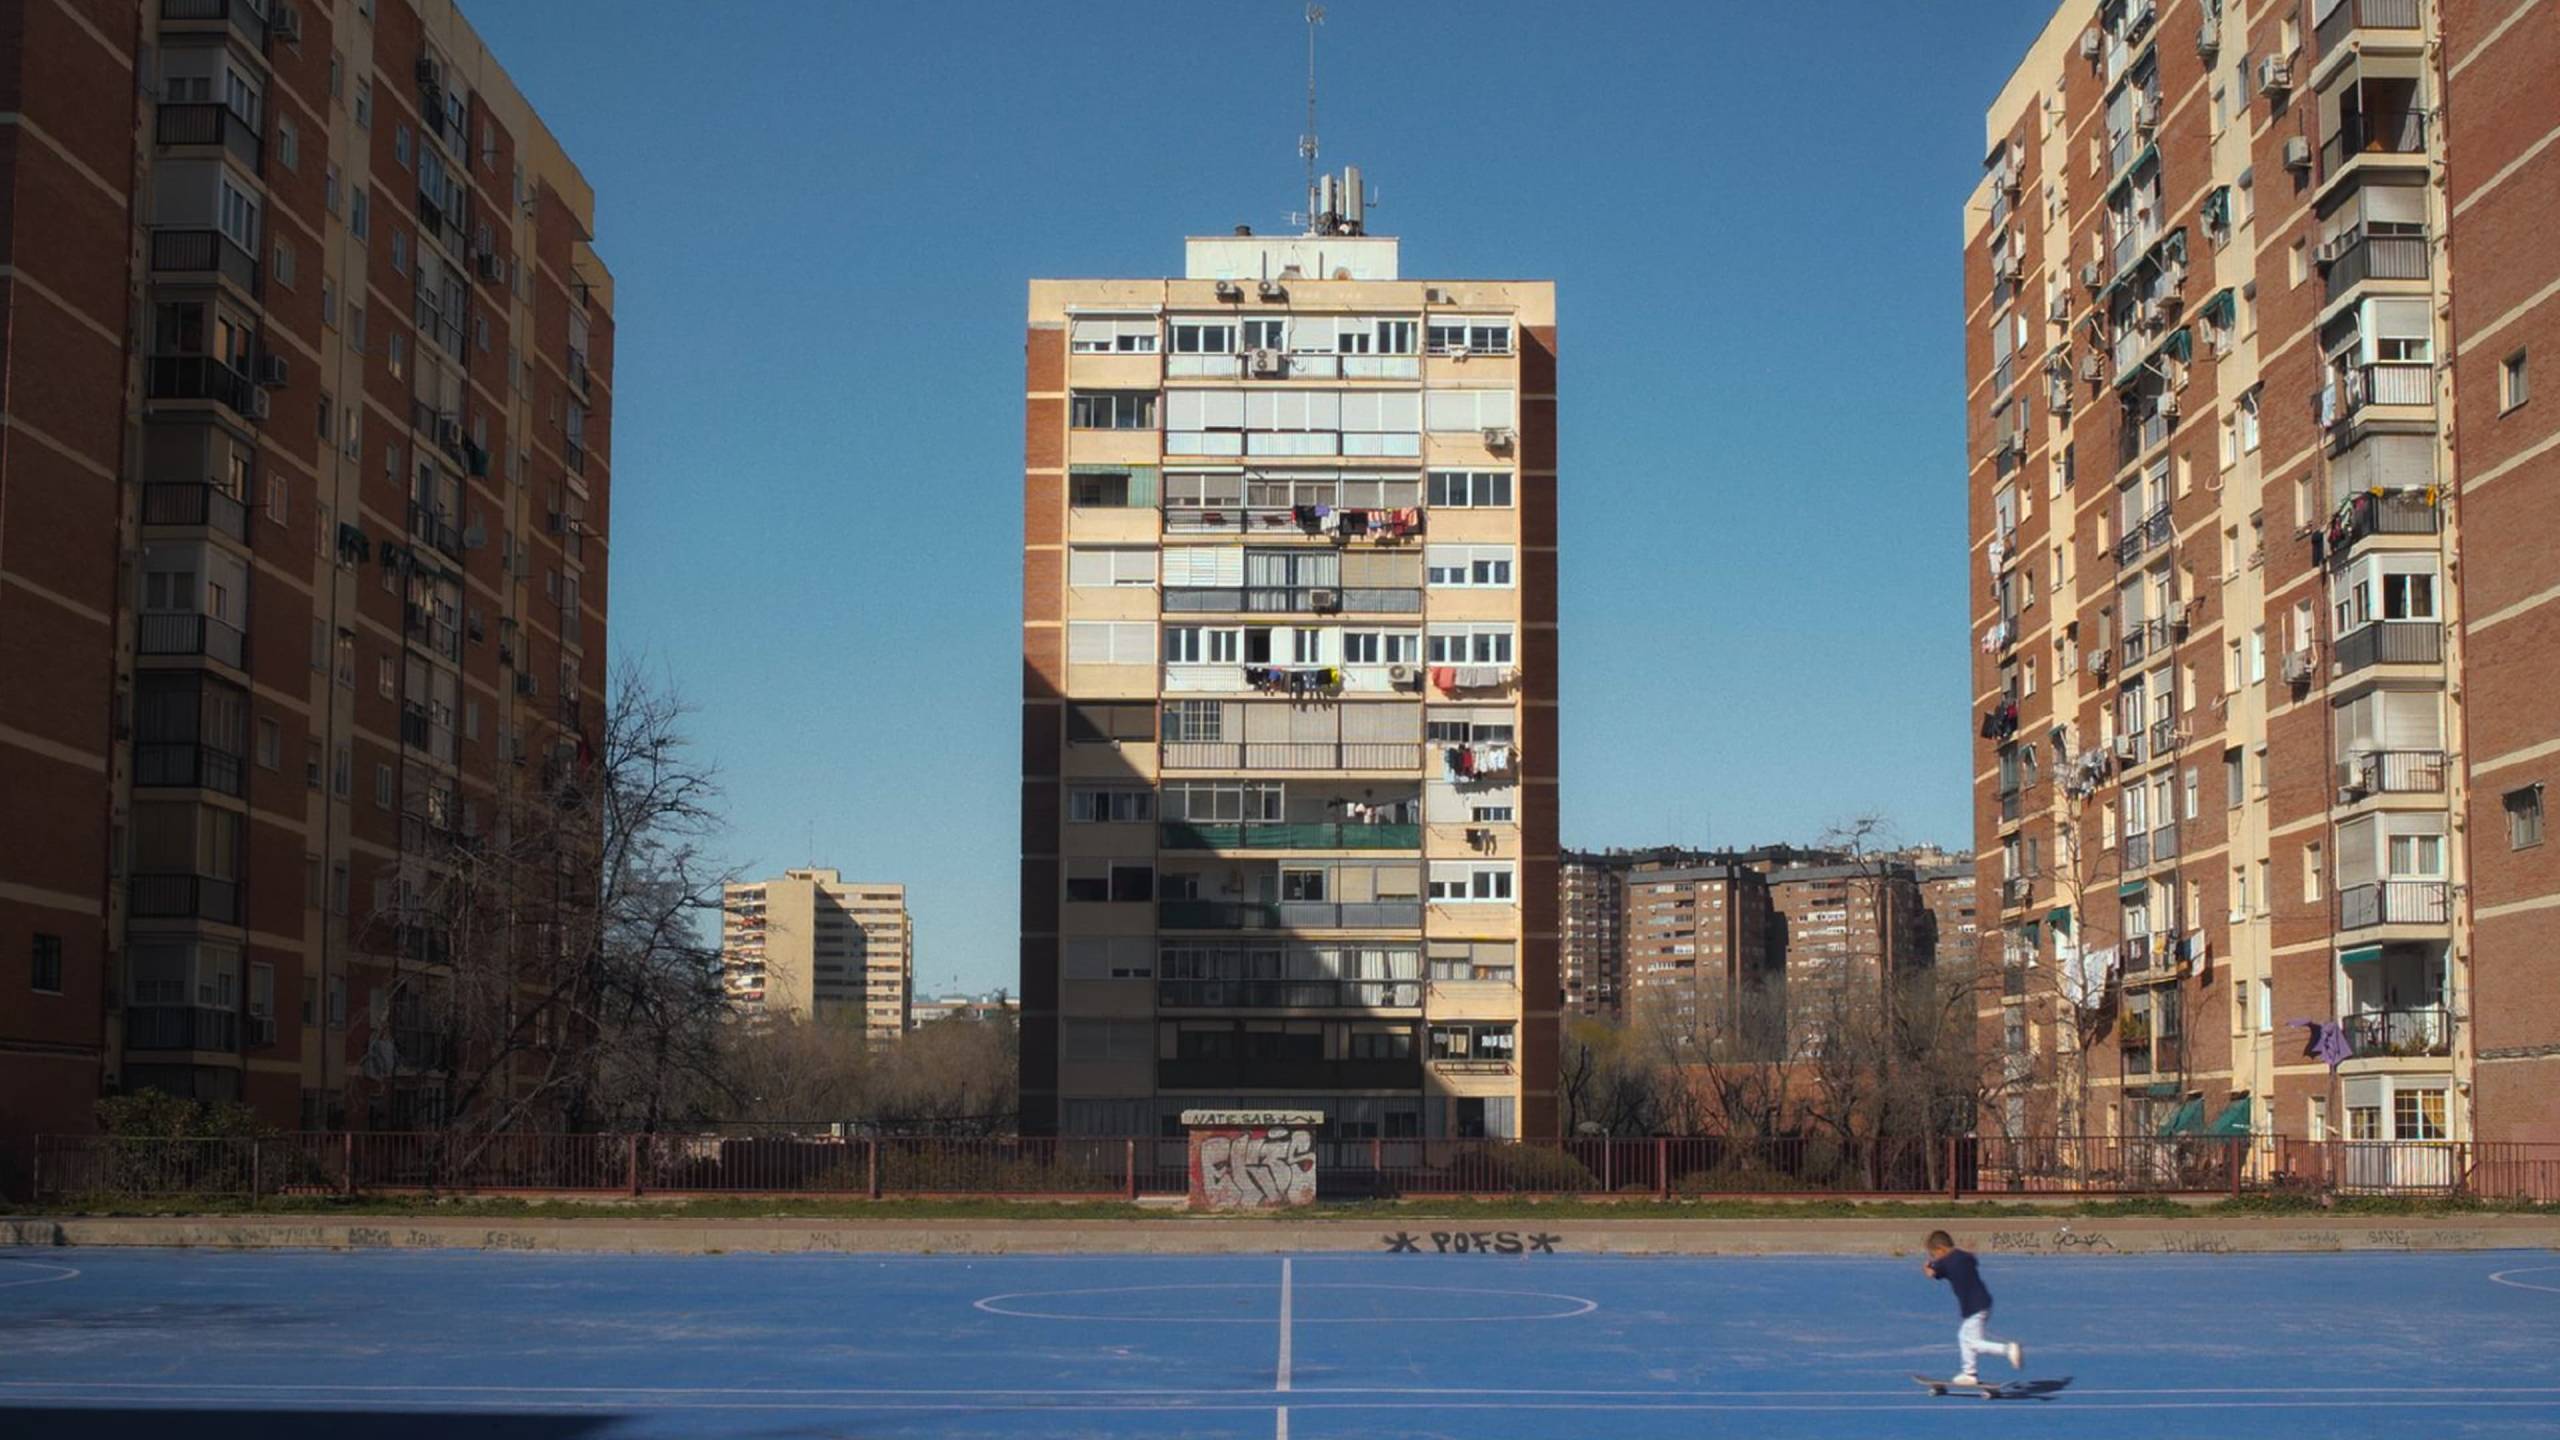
(1307,142)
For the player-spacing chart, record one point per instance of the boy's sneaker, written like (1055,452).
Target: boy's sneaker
(2017,1356)
(1967,1378)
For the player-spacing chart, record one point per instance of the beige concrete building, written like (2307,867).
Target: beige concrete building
(810,946)
(1289,665)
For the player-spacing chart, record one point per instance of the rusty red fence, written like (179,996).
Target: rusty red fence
(341,1163)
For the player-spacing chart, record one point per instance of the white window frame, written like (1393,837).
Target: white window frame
(1109,567)
(1111,642)
(1491,644)
(1469,567)
(1473,882)
(1112,335)
(1469,490)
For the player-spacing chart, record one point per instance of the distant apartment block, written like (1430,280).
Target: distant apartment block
(304,488)
(808,945)
(1590,948)
(2265,601)
(1289,717)
(985,1007)
(1947,890)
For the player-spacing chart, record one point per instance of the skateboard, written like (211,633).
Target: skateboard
(1988,1390)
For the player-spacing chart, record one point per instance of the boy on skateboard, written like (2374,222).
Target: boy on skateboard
(1963,1274)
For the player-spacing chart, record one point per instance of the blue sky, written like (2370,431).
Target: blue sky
(821,217)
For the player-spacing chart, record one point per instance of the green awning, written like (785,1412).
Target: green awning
(2133,889)
(2060,919)
(2161,1089)
(2180,345)
(2234,1119)
(2029,936)
(2361,955)
(2148,152)
(2221,308)
(2217,207)
(2186,1119)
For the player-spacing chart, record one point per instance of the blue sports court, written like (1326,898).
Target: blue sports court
(291,1344)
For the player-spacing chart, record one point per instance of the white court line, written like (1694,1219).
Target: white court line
(61,1272)
(1281,1430)
(1060,1404)
(1163,1392)
(1287,1289)
(2501,1279)
(995,1305)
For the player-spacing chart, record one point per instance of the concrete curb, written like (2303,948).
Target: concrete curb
(2007,1235)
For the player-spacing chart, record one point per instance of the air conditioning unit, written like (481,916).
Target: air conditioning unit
(1500,437)
(525,683)
(2093,368)
(2060,313)
(1325,599)
(2275,74)
(429,73)
(2297,153)
(2166,407)
(1272,290)
(2349,794)
(286,24)
(1401,675)
(2297,668)
(1266,362)
(2208,39)
(260,407)
(2146,114)
(1433,295)
(449,432)
(1230,290)
(2014,268)
(2091,275)
(270,370)
(491,265)
(2093,43)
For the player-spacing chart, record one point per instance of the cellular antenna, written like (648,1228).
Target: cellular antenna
(1307,142)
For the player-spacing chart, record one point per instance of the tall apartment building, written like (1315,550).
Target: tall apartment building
(1842,931)
(1590,948)
(1700,956)
(1947,890)
(2259,625)
(302,481)
(1289,711)
(807,945)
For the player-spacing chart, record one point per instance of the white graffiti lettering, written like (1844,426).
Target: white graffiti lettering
(1258,1169)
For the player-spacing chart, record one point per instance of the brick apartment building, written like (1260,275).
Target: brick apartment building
(2263,635)
(302,489)
(1947,890)
(1590,950)
(1289,717)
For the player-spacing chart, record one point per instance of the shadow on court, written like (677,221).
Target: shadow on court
(160,1422)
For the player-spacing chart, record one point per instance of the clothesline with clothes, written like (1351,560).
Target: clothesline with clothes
(2359,517)
(1480,761)
(1349,522)
(2000,721)
(1278,679)
(1448,679)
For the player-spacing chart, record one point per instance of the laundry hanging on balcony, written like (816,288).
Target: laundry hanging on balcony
(2327,1042)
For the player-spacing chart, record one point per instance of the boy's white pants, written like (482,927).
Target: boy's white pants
(1971,1341)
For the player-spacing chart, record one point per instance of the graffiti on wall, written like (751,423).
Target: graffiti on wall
(1258,1169)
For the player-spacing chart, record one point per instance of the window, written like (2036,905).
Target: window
(283,269)
(2257,654)
(2249,421)
(2190,786)
(1112,642)
(2297,262)
(1470,645)
(1107,1040)
(1112,410)
(2240,1007)
(279,501)
(1471,489)
(1448,412)
(1117,958)
(1204,337)
(2415,857)
(2514,382)
(2239,891)
(1381,647)
(270,743)
(1102,567)
(364,102)
(342,772)
(46,969)
(2266,1007)
(1477,567)
(288,144)
(1112,489)
(1460,882)
(2418,1115)
(400,145)
(360,214)
(2524,817)
(386,679)
(1111,881)
(1132,724)
(1271,333)
(1112,335)
(1106,806)
(2311,881)
(399,252)
(1460,335)
(382,786)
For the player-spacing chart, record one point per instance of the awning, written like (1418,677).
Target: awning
(2060,919)
(2029,936)
(2180,345)
(2234,1119)
(2187,1119)
(2133,889)
(2161,1089)
(2150,151)
(2361,955)
(2221,308)
(2217,207)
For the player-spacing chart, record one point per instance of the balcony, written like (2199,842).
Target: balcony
(2393,902)
(182,634)
(2393,772)
(2368,256)
(2400,1034)
(1289,994)
(2135,437)
(1289,915)
(577,456)
(179,252)
(2140,540)
(243,17)
(433,526)
(203,377)
(2016,891)
(196,504)
(2391,642)
(1292,600)
(2381,133)
(2409,383)
(1286,1073)
(185,764)
(2364,15)
(1288,755)
(180,1027)
(1284,521)
(2165,735)
(2135,956)
(2012,803)
(1278,835)
(183,897)
(210,124)
(2391,513)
